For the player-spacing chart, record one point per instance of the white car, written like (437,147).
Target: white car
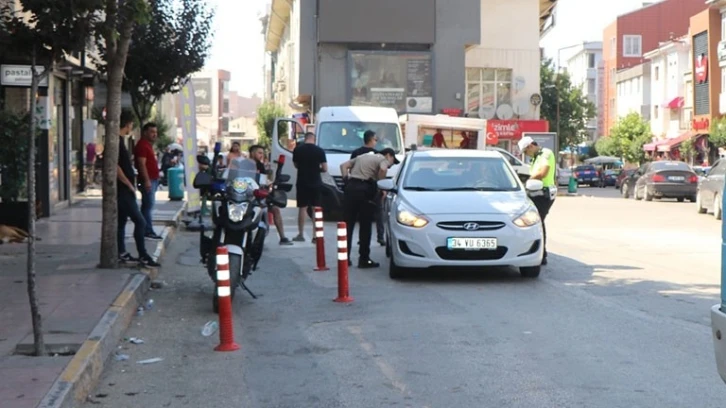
(563,176)
(460,208)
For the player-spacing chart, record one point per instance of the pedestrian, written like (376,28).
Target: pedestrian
(90,163)
(257,153)
(438,140)
(310,161)
(543,168)
(361,175)
(235,152)
(370,139)
(126,200)
(148,169)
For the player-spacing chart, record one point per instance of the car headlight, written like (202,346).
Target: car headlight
(527,219)
(237,211)
(406,217)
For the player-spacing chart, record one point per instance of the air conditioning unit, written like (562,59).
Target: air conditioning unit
(419,104)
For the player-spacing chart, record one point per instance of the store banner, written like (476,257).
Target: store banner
(189,142)
(202,96)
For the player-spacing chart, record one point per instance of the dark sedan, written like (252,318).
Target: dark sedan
(622,176)
(662,179)
(587,175)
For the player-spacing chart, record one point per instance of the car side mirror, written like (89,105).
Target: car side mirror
(386,185)
(534,185)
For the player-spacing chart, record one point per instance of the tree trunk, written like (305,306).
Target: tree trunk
(116,63)
(38,340)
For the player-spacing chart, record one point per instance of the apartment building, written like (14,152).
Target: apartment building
(631,35)
(633,91)
(582,66)
(668,65)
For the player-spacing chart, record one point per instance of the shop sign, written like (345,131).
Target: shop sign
(513,129)
(722,50)
(20,75)
(701,124)
(456,112)
(701,68)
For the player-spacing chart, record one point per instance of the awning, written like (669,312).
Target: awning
(669,144)
(652,146)
(675,103)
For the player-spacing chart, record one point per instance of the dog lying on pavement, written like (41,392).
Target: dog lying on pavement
(14,235)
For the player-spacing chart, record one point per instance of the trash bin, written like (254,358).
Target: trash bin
(571,186)
(175,176)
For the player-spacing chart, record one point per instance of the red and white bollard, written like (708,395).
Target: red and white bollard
(224,301)
(320,240)
(343,289)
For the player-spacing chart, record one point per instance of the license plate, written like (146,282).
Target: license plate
(472,243)
(676,178)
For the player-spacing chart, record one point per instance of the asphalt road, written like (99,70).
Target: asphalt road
(619,318)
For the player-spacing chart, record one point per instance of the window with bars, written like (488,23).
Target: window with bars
(632,46)
(487,89)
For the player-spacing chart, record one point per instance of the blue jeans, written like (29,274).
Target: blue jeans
(148,199)
(128,208)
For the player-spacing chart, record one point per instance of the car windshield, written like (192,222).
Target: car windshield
(344,137)
(459,174)
(670,165)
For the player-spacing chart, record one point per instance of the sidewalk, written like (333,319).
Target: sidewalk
(74,299)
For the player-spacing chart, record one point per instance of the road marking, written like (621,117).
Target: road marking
(383,366)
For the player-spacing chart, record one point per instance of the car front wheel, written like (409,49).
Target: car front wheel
(395,272)
(530,272)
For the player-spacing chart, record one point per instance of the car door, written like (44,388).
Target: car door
(712,185)
(638,179)
(286,134)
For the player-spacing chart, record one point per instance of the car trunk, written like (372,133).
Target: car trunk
(673,177)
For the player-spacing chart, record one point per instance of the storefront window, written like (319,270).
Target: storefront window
(403,81)
(487,90)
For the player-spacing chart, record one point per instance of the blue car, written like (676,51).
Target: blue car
(587,175)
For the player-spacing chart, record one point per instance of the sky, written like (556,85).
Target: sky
(583,20)
(238,45)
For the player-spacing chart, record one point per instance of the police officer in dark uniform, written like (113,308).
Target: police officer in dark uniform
(361,192)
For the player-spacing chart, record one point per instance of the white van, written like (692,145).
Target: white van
(339,130)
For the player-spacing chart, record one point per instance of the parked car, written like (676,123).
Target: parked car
(662,179)
(710,190)
(587,175)
(563,176)
(702,171)
(522,169)
(622,176)
(460,208)
(610,177)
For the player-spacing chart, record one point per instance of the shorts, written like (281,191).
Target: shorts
(308,196)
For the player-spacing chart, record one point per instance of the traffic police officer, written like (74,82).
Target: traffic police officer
(361,175)
(543,168)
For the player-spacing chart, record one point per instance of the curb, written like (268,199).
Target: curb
(82,373)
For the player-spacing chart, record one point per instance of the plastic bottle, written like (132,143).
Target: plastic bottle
(209,328)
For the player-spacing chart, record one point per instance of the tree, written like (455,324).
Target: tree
(574,108)
(266,115)
(115,32)
(605,146)
(163,53)
(629,135)
(43,31)
(717,133)
(688,150)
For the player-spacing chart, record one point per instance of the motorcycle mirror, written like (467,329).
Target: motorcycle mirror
(203,159)
(283,178)
(217,147)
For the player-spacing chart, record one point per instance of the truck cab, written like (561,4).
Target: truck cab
(338,130)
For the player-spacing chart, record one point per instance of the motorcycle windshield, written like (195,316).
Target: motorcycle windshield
(242,179)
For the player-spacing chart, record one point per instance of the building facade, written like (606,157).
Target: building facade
(633,91)
(626,40)
(582,66)
(668,65)
(211,96)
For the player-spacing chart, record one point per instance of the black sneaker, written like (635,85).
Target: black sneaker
(285,241)
(382,241)
(299,238)
(153,235)
(367,264)
(126,258)
(148,262)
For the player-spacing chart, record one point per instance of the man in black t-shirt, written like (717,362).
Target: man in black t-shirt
(310,161)
(126,201)
(370,139)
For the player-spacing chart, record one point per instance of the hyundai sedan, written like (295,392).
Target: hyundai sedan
(460,208)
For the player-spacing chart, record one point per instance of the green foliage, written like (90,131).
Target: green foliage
(165,132)
(629,135)
(174,44)
(688,150)
(605,146)
(14,131)
(574,108)
(266,115)
(717,134)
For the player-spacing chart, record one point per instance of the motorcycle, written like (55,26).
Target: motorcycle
(240,199)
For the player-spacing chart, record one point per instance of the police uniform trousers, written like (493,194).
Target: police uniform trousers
(360,206)
(543,204)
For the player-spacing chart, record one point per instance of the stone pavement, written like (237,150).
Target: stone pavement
(73,294)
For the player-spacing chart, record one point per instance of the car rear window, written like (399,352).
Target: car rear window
(585,168)
(670,165)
